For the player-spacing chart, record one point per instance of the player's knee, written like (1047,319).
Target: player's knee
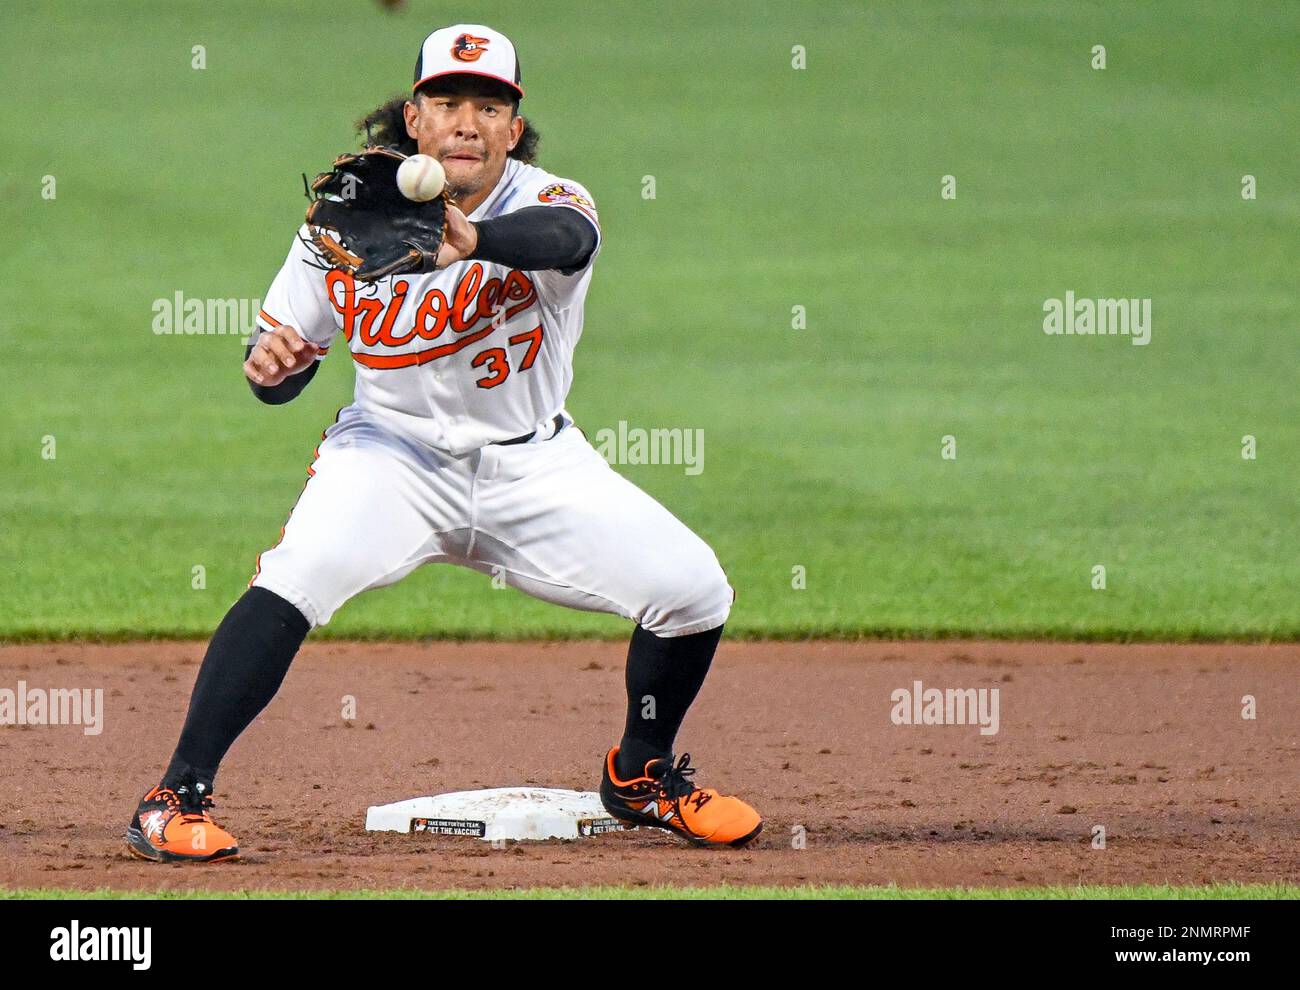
(690,598)
(317,583)
(307,603)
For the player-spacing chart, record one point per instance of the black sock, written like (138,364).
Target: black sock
(246,661)
(664,675)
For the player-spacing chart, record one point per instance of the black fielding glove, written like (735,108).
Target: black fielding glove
(361,223)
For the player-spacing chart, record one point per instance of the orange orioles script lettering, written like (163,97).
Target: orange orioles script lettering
(473,301)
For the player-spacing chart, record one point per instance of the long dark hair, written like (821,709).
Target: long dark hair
(386,125)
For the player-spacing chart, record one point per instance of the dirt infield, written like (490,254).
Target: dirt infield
(1147,741)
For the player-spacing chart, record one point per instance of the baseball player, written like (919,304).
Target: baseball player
(457,449)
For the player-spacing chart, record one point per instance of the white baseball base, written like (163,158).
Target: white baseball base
(516,813)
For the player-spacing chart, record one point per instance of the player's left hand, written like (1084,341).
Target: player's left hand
(460,240)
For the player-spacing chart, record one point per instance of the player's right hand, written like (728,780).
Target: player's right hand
(278,354)
(459,240)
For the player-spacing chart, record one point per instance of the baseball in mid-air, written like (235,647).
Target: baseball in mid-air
(421,178)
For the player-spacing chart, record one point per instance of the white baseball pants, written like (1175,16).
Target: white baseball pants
(550,516)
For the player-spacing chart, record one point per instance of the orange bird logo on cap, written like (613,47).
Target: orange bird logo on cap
(468,48)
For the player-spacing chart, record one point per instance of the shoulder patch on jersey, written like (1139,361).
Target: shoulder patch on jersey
(562,192)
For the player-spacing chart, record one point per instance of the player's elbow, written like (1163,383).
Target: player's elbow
(579,243)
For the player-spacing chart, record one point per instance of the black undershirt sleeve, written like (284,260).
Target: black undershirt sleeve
(278,395)
(537,238)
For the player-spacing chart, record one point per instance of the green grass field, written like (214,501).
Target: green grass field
(775,188)
(1135,892)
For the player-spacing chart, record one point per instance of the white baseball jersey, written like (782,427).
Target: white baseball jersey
(448,364)
(465,356)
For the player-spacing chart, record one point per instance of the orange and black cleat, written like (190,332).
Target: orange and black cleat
(173,826)
(663,797)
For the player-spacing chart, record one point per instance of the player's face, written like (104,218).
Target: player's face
(470,133)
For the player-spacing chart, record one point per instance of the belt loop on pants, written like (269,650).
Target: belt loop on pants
(558,421)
